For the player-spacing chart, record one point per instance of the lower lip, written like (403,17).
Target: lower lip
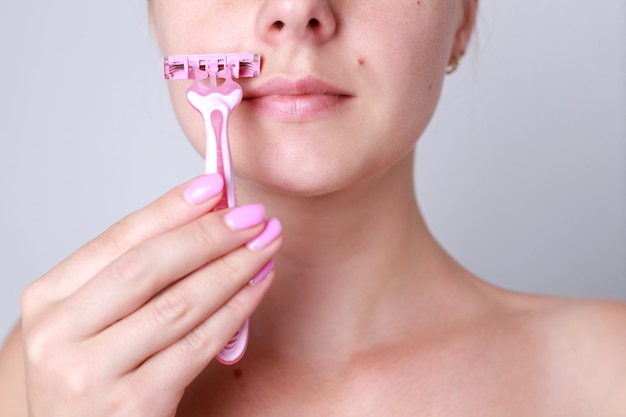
(298,108)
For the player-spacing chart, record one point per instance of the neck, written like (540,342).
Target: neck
(352,264)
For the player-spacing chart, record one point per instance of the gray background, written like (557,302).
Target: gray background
(521,176)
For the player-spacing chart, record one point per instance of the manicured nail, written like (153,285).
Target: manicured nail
(244,217)
(203,188)
(263,273)
(268,235)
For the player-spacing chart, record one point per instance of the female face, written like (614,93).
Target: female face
(346,86)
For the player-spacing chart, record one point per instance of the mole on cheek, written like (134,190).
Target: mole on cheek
(361,62)
(238,373)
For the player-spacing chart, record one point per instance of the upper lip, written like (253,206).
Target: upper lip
(281,86)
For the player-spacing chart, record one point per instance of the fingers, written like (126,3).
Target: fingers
(135,277)
(180,363)
(176,311)
(168,281)
(174,209)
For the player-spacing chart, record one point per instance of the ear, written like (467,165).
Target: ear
(464,30)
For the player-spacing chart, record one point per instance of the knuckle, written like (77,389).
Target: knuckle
(37,347)
(200,339)
(116,239)
(130,266)
(79,379)
(204,232)
(42,344)
(169,307)
(237,305)
(231,266)
(72,369)
(164,211)
(30,298)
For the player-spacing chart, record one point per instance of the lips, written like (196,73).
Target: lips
(296,100)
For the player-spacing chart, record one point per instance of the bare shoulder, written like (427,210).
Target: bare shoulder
(592,338)
(592,329)
(583,345)
(579,318)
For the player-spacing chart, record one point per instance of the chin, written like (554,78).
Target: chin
(313,178)
(297,182)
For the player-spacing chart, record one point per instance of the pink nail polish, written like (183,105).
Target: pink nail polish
(268,235)
(263,273)
(244,217)
(203,188)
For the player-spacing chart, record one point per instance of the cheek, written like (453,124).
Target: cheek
(407,64)
(188,118)
(199,26)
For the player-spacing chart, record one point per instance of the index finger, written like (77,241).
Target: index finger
(174,209)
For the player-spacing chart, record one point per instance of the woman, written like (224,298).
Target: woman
(367,314)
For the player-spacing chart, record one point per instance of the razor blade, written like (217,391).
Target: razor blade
(183,67)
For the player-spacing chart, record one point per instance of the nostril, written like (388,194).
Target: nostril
(314,23)
(278,25)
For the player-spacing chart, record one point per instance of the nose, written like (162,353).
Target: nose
(281,21)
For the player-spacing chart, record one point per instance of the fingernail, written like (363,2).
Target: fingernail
(203,188)
(263,273)
(268,235)
(244,217)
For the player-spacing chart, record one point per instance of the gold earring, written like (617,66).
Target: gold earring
(456,58)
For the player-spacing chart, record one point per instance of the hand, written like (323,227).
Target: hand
(122,326)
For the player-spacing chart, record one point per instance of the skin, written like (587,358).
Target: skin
(367,314)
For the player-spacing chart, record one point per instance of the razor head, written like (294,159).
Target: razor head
(182,67)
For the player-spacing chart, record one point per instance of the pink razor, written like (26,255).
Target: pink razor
(215,102)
